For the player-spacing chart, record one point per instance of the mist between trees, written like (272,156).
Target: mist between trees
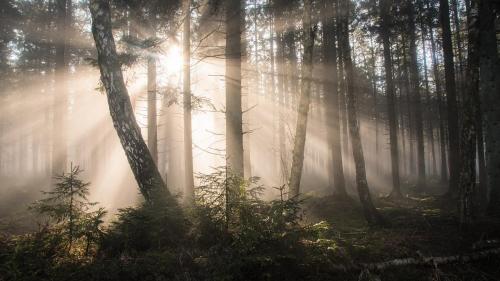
(227,112)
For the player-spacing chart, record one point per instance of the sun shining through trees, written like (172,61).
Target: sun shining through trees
(249,140)
(171,61)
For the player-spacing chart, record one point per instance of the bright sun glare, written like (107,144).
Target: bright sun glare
(171,60)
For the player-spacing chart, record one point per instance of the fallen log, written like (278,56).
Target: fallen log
(434,261)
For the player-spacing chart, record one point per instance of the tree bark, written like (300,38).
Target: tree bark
(234,116)
(342,96)
(333,107)
(60,102)
(389,89)
(490,96)
(451,98)
(140,160)
(304,103)
(459,45)
(152,110)
(417,103)
(441,109)
(370,212)
(411,120)
(428,111)
(468,133)
(188,135)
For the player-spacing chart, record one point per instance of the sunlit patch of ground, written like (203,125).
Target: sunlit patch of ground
(419,226)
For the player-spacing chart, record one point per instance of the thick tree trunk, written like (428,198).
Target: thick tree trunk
(304,104)
(391,104)
(336,175)
(490,95)
(141,162)
(234,116)
(417,103)
(469,130)
(60,102)
(451,97)
(370,212)
(188,135)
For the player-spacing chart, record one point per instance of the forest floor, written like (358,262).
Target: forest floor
(419,226)
(340,246)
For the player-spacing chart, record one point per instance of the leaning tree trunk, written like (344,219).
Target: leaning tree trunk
(332,100)
(389,89)
(490,95)
(304,103)
(188,135)
(234,115)
(468,132)
(140,160)
(59,141)
(370,212)
(451,97)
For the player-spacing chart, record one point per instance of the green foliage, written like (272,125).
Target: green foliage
(69,212)
(242,237)
(32,256)
(150,227)
(230,233)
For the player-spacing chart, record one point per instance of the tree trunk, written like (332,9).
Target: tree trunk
(276,107)
(417,103)
(490,95)
(469,130)
(451,97)
(375,100)
(441,109)
(332,100)
(458,41)
(59,141)
(234,116)
(152,111)
(389,89)
(304,103)
(188,135)
(141,162)
(430,127)
(370,212)
(411,120)
(401,115)
(281,101)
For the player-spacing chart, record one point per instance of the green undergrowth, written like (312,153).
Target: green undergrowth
(231,234)
(419,226)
